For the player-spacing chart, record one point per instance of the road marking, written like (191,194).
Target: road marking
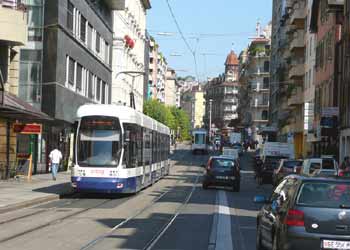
(220,237)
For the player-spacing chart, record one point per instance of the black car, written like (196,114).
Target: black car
(222,171)
(309,213)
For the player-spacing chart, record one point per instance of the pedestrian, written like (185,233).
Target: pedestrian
(55,160)
(346,163)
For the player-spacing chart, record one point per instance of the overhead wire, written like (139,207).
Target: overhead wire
(193,52)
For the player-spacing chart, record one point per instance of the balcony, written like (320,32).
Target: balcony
(297,40)
(298,14)
(232,101)
(296,70)
(230,117)
(296,98)
(116,4)
(13,23)
(259,104)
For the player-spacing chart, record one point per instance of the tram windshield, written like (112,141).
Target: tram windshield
(99,142)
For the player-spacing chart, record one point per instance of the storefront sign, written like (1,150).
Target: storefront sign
(30,129)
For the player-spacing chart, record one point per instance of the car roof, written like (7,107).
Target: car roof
(222,157)
(328,178)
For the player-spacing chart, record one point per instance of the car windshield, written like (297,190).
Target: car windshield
(222,163)
(291,164)
(324,194)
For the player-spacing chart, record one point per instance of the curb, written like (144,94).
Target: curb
(36,201)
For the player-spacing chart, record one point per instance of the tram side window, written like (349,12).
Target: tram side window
(130,155)
(147,146)
(139,143)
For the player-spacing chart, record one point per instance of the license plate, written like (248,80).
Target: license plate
(336,244)
(225,177)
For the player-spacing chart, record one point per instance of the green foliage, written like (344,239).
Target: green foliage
(176,119)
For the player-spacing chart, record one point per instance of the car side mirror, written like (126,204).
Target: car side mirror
(261,199)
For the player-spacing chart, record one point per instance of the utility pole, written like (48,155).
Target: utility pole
(210,107)
(132,74)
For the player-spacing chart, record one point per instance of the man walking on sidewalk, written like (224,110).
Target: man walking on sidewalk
(55,159)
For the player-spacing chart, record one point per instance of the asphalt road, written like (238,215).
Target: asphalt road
(174,213)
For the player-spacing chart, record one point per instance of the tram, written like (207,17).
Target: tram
(118,150)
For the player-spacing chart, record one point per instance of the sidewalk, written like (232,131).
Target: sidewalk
(16,194)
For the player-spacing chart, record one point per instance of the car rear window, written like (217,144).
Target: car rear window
(327,164)
(324,194)
(291,164)
(222,163)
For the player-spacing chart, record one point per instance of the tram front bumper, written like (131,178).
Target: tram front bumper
(104,185)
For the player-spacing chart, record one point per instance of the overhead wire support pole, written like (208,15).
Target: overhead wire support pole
(133,75)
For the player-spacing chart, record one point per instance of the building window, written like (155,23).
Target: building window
(264,115)
(70,14)
(89,36)
(83,29)
(34,19)
(90,85)
(107,53)
(71,67)
(98,42)
(79,77)
(266,66)
(103,97)
(266,83)
(30,77)
(98,89)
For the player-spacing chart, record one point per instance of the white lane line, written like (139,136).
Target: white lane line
(223,234)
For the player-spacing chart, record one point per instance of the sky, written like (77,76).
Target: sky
(211,27)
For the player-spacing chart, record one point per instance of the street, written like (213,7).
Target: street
(174,213)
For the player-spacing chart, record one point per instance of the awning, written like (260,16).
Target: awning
(12,107)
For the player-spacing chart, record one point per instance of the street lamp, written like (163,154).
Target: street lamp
(210,107)
(133,74)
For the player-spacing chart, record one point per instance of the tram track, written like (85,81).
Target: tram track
(157,236)
(70,215)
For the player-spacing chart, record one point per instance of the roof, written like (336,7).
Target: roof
(13,107)
(232,59)
(124,113)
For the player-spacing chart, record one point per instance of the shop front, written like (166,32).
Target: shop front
(21,137)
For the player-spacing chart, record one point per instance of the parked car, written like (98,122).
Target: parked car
(222,171)
(305,212)
(319,166)
(286,167)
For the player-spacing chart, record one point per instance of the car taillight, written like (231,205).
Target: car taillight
(295,218)
(341,174)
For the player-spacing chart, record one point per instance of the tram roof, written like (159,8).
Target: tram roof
(124,113)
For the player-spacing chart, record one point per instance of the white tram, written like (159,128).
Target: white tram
(118,150)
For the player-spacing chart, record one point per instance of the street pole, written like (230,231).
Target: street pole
(132,74)
(210,106)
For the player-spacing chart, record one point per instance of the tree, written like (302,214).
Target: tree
(176,119)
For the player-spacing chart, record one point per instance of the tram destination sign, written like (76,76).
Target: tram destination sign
(30,128)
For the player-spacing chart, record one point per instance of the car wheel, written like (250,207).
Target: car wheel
(259,245)
(204,185)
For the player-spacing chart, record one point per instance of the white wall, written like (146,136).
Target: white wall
(131,22)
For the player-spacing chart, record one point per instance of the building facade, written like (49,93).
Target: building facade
(326,23)
(170,88)
(158,67)
(255,81)
(77,63)
(193,103)
(129,46)
(221,96)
